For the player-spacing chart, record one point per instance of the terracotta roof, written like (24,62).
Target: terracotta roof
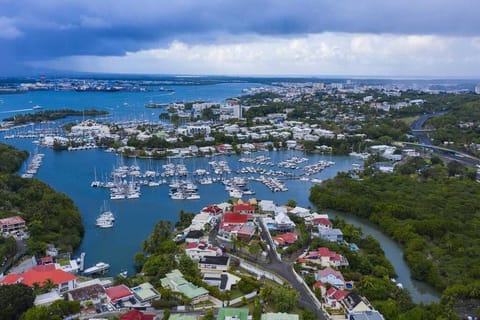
(118,292)
(11,278)
(288,238)
(318,284)
(212,209)
(44,267)
(236,218)
(136,315)
(11,220)
(325,272)
(246,230)
(39,275)
(323,221)
(337,294)
(243,207)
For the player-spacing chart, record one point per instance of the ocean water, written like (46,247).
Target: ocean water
(72,173)
(121,105)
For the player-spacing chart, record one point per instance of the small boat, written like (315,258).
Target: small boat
(36,107)
(193,196)
(106,218)
(178,196)
(235,194)
(100,267)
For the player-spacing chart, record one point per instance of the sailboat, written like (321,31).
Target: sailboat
(106,217)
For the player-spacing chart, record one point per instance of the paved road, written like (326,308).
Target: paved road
(285,270)
(425,140)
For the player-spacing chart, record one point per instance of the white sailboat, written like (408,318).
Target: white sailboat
(106,218)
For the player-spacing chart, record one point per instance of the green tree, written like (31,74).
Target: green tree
(208,315)
(14,300)
(291,203)
(166,314)
(254,249)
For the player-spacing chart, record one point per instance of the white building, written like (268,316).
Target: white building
(89,127)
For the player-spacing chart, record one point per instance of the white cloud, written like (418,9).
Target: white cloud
(8,30)
(314,54)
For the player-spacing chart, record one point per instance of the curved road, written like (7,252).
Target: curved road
(285,270)
(445,153)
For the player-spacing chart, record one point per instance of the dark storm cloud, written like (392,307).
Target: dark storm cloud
(37,30)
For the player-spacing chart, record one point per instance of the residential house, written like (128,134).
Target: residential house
(354,303)
(62,280)
(366,315)
(329,275)
(279,316)
(334,235)
(267,206)
(231,222)
(120,293)
(322,223)
(197,250)
(194,236)
(136,315)
(12,224)
(232,314)
(145,292)
(175,282)
(94,293)
(281,222)
(334,296)
(244,208)
(285,239)
(300,212)
(209,264)
(245,232)
(325,258)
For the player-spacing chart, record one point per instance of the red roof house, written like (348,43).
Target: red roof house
(12,224)
(136,315)
(119,293)
(285,238)
(40,274)
(232,222)
(334,296)
(246,232)
(322,222)
(212,210)
(235,218)
(244,208)
(324,257)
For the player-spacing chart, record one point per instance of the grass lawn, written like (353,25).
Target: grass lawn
(408,120)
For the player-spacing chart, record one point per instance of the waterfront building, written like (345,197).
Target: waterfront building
(119,293)
(89,128)
(62,280)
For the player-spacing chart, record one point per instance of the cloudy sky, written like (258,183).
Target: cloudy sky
(405,38)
